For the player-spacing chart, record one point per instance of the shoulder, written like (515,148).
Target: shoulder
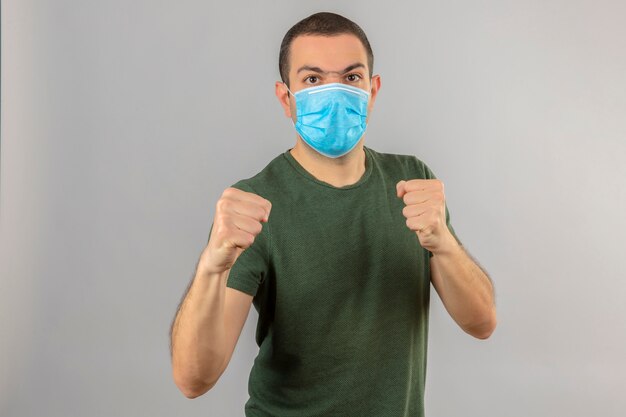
(407,165)
(265,180)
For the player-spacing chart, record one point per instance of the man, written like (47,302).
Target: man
(336,245)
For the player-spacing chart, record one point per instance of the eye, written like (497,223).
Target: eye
(353,77)
(311,79)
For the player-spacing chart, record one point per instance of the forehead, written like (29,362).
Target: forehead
(330,53)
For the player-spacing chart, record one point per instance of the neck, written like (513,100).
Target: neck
(338,172)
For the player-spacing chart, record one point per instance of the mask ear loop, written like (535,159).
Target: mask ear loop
(294,97)
(288,89)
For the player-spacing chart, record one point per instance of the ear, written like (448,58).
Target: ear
(284,98)
(373,92)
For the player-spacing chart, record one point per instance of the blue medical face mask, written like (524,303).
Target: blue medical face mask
(330,118)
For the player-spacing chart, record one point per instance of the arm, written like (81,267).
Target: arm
(210,317)
(205,331)
(464,288)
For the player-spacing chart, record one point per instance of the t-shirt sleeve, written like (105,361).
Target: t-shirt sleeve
(428,174)
(250,269)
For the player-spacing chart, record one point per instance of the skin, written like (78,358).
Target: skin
(211,315)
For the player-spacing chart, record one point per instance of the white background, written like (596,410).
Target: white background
(122,122)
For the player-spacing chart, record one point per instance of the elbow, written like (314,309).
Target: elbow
(192,388)
(192,392)
(484,328)
(194,379)
(485,333)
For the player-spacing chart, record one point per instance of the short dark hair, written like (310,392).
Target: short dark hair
(325,24)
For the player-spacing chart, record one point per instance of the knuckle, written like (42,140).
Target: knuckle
(219,222)
(222,204)
(220,235)
(223,227)
(268,206)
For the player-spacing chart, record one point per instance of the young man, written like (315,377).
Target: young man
(336,245)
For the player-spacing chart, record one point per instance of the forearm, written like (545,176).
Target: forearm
(198,334)
(465,289)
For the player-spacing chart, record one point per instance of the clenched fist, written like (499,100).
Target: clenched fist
(237,221)
(425,211)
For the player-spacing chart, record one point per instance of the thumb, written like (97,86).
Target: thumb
(400,188)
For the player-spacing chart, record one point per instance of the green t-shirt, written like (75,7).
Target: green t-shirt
(342,289)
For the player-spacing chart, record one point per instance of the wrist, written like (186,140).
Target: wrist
(206,270)
(211,262)
(448,246)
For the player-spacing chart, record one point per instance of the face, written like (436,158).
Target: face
(317,60)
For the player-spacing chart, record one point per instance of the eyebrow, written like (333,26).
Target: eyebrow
(319,70)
